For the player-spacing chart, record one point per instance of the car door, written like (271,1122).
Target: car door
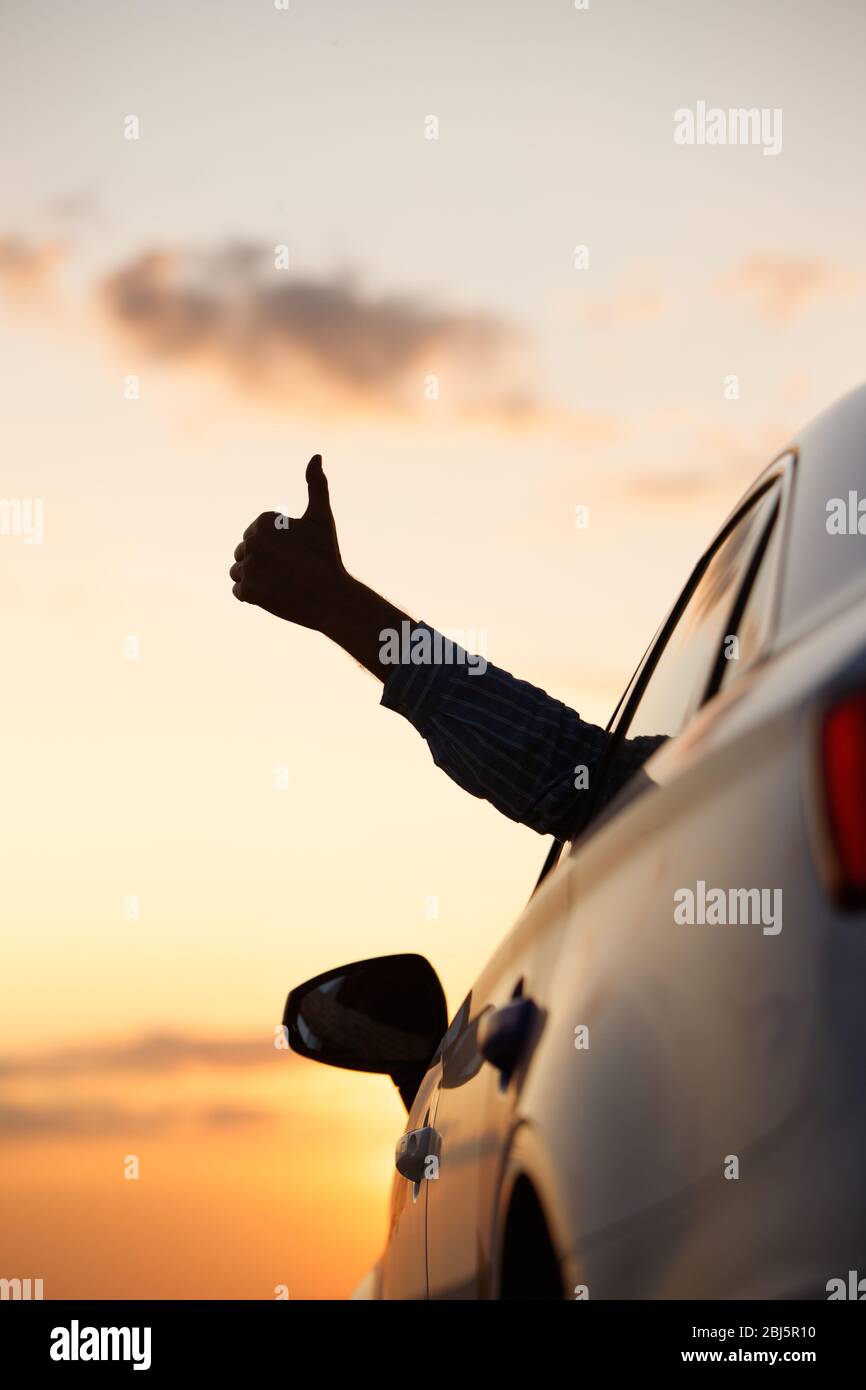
(404,1263)
(694,1033)
(485,1055)
(479,1102)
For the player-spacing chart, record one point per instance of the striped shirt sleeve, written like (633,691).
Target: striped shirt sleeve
(499,738)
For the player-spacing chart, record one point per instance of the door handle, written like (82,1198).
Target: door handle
(417,1154)
(503,1034)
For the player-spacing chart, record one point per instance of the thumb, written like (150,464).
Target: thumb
(318,501)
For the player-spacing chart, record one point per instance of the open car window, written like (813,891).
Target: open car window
(680,678)
(712,628)
(700,641)
(755,619)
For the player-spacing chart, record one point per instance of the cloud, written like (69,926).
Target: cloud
(664,488)
(156,1053)
(99,1120)
(161,1055)
(302,343)
(626,309)
(729,461)
(780,287)
(231,307)
(323,342)
(27,268)
(519,414)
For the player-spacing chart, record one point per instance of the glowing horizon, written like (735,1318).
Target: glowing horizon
(469,383)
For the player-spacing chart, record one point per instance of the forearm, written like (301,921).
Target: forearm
(356,617)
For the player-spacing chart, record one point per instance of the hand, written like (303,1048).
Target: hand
(292,567)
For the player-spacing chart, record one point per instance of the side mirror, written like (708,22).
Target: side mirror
(382,1015)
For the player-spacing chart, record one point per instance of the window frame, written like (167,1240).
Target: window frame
(779,474)
(618,727)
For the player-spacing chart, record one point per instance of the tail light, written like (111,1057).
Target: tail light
(844,760)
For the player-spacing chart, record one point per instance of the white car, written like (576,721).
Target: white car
(655,1090)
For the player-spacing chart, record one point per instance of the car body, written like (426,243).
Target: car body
(632,1105)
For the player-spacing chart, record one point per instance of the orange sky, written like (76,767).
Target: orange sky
(558,387)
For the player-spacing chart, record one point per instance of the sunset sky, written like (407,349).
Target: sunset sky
(559,387)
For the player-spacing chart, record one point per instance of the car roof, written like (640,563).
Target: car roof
(824,569)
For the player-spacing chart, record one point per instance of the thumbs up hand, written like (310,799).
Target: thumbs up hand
(292,566)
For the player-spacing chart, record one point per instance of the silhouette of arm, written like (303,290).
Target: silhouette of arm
(497,737)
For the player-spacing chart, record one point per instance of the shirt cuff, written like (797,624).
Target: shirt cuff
(417,691)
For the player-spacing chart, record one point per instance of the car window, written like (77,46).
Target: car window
(681,672)
(728,596)
(680,677)
(754,622)
(688,659)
